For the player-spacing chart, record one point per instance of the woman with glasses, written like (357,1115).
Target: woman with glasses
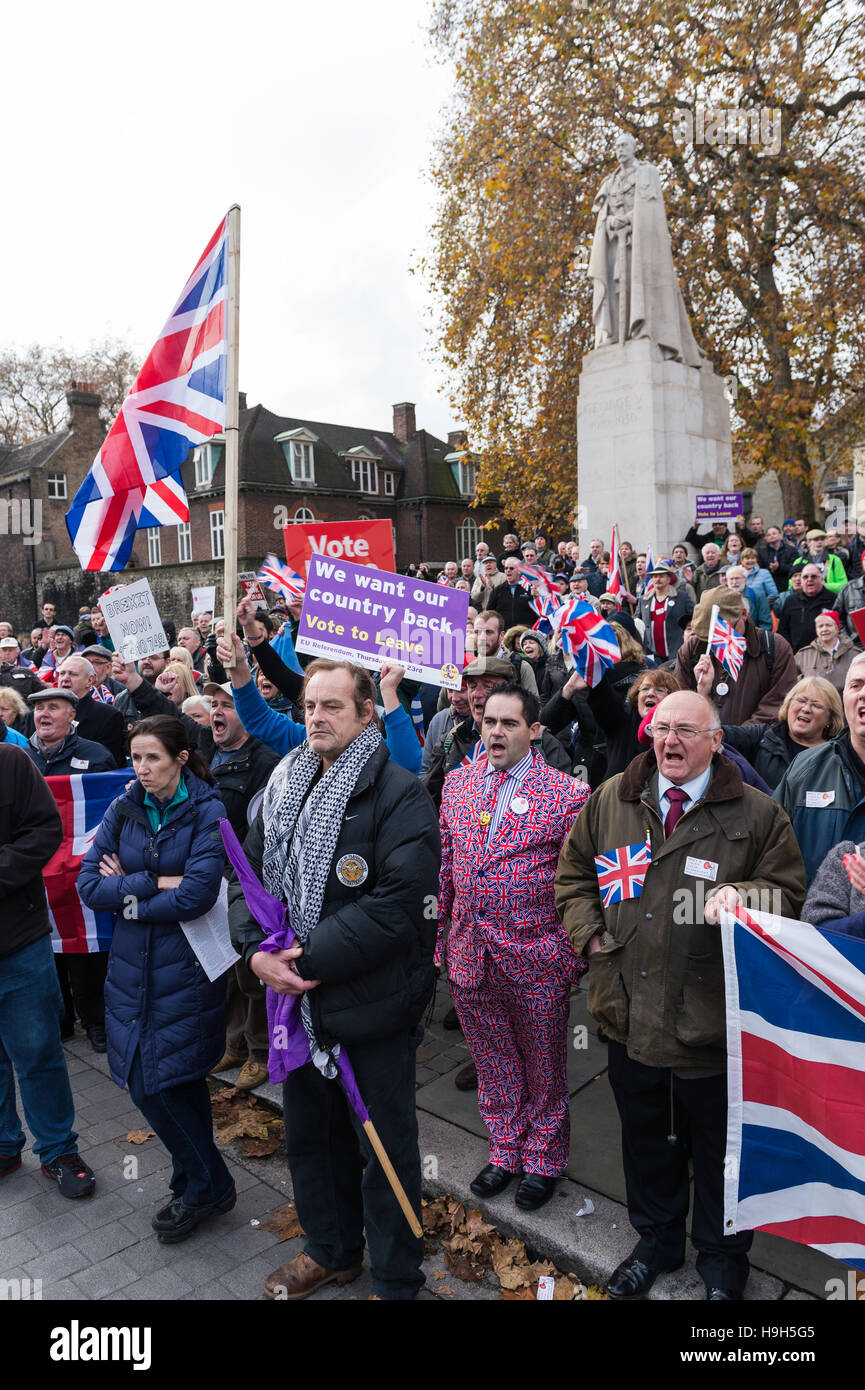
(810,714)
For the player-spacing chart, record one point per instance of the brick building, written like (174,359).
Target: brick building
(290,471)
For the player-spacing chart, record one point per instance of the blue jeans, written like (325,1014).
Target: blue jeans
(31,1007)
(182,1119)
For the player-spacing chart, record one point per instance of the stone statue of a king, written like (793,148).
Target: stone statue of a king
(636,289)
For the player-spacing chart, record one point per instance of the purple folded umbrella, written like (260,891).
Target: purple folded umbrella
(289,1045)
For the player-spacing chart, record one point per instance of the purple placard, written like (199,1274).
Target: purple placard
(718,506)
(354,613)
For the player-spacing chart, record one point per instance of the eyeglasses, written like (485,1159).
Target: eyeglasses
(685,732)
(811,704)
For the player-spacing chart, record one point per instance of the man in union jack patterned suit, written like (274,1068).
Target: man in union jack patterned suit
(510,964)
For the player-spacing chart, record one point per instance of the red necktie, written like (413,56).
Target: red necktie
(677,799)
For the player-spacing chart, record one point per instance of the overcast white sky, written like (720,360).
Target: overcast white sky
(130,130)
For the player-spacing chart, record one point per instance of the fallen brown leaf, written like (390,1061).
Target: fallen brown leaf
(140,1136)
(284,1223)
(595,1294)
(262,1148)
(522,1295)
(463,1268)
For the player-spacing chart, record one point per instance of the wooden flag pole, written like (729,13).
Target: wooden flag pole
(399,1190)
(232,432)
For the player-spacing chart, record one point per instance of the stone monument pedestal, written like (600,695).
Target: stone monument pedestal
(651,434)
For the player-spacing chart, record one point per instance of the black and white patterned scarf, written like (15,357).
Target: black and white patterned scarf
(310,829)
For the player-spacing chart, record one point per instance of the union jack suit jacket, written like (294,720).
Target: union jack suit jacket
(499,893)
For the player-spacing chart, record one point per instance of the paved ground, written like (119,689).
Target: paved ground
(105,1249)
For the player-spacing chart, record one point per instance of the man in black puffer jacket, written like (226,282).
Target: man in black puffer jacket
(350,840)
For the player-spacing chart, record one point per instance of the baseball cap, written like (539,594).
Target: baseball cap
(212,687)
(39,696)
(8,642)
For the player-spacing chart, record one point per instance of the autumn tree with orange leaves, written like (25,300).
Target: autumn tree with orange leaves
(767,236)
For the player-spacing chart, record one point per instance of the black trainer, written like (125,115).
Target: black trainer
(9,1163)
(71,1175)
(177,1221)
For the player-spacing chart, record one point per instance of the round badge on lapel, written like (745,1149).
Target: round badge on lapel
(351,870)
(519,806)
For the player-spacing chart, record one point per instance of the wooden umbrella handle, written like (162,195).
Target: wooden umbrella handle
(390,1174)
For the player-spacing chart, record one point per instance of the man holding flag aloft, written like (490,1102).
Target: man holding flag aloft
(649,863)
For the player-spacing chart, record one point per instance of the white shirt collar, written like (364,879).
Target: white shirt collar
(694,789)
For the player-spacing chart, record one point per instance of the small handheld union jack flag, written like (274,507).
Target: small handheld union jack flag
(622,872)
(587,637)
(532,576)
(614,580)
(281,578)
(725,643)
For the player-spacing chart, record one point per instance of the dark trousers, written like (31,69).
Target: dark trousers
(82,983)
(245,1014)
(182,1119)
(336,1197)
(656,1171)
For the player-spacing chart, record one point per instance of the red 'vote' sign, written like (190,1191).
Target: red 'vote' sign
(361,542)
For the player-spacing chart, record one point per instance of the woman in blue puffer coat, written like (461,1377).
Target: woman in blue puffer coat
(156,861)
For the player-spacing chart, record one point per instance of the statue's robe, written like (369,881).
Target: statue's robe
(656,309)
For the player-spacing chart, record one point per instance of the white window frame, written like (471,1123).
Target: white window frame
(57,487)
(389,479)
(184,542)
(206,458)
(303,516)
(154,546)
(468,475)
(217,535)
(467,537)
(302,462)
(364,472)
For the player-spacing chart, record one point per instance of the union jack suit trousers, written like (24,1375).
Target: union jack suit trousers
(510,963)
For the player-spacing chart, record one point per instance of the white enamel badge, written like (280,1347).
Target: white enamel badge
(351,870)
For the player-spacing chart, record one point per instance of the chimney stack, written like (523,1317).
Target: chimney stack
(404,426)
(84,403)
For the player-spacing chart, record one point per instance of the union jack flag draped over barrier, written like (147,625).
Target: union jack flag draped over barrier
(177,401)
(587,637)
(82,800)
(795,1060)
(725,643)
(281,578)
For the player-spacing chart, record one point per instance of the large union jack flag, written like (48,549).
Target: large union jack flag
(622,872)
(177,401)
(796,1054)
(82,800)
(725,643)
(587,637)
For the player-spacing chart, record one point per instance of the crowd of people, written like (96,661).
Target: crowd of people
(509,803)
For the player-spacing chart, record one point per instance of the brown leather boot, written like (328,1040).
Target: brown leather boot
(302,1276)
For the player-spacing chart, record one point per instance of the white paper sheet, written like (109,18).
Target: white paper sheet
(209,937)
